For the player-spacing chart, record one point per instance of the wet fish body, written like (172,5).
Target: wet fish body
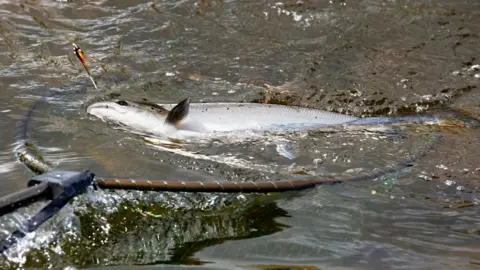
(215,117)
(193,119)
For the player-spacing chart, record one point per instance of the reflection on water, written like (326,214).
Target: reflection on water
(346,225)
(360,57)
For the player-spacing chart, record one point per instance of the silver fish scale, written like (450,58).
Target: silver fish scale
(266,114)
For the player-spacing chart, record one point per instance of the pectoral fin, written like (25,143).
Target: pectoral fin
(178,113)
(281,149)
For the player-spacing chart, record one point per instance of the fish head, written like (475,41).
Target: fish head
(121,106)
(137,115)
(110,109)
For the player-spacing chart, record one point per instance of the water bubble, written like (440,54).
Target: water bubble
(475,67)
(449,182)
(441,166)
(317,161)
(424,176)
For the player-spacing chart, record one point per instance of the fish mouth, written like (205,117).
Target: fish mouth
(105,106)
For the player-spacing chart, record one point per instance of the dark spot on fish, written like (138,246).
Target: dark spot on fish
(122,102)
(155,107)
(228,108)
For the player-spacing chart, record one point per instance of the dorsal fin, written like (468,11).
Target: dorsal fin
(178,113)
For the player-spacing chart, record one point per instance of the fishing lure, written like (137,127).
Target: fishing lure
(81,56)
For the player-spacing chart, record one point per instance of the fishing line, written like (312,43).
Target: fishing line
(81,56)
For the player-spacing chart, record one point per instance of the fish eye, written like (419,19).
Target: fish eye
(122,102)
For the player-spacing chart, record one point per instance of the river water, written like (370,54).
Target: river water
(364,58)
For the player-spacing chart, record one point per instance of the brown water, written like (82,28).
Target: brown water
(357,57)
